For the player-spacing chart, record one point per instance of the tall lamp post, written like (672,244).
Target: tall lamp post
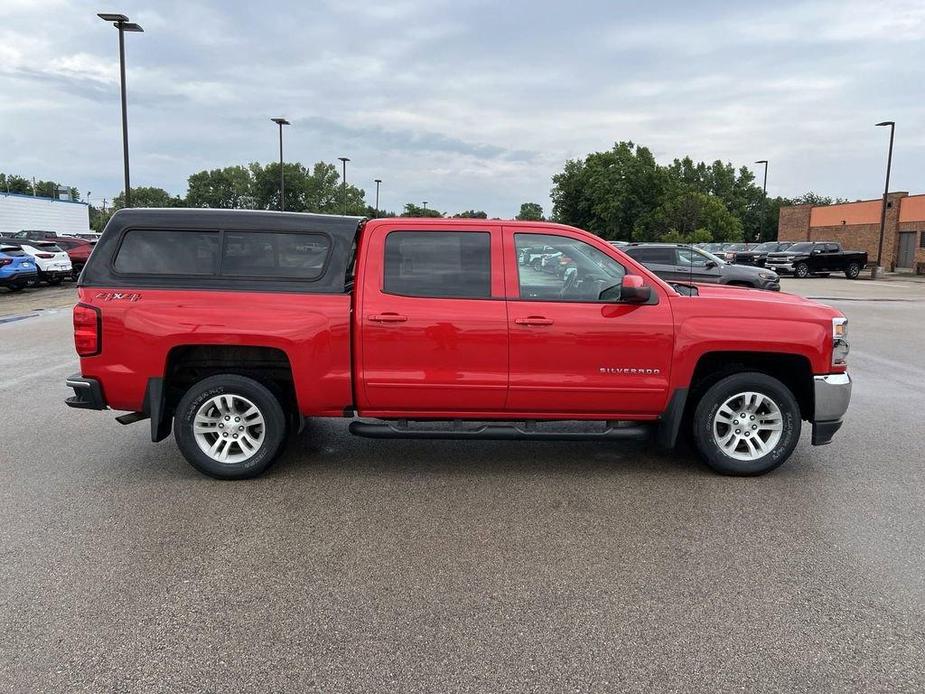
(886,192)
(378,181)
(120,21)
(764,188)
(425,208)
(344,160)
(282,179)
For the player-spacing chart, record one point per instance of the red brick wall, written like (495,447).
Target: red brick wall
(793,224)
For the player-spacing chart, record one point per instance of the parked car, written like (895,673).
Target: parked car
(78,251)
(402,321)
(729,253)
(17,269)
(757,254)
(34,234)
(534,256)
(682,263)
(51,261)
(807,258)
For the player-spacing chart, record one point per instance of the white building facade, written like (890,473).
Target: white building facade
(19,212)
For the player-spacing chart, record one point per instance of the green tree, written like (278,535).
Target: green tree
(148,196)
(530,212)
(685,212)
(412,210)
(608,192)
(229,188)
(318,190)
(470,214)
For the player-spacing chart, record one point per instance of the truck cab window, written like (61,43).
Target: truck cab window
(438,264)
(559,268)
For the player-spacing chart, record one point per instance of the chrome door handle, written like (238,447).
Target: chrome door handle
(388,318)
(533,320)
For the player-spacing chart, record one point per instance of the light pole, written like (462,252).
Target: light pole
(344,160)
(764,188)
(425,208)
(378,181)
(120,21)
(886,192)
(282,179)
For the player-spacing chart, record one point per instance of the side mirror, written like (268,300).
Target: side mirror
(634,291)
(817,251)
(710,264)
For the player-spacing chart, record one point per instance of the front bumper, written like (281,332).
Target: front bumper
(832,395)
(780,268)
(88,394)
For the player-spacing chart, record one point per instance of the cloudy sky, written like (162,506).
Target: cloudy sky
(465,104)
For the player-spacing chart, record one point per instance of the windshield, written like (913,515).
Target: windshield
(800,248)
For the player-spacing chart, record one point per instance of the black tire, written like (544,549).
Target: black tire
(15,287)
(801,270)
(274,433)
(719,393)
(537,264)
(852,271)
(54,281)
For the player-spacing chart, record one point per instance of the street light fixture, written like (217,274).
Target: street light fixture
(344,182)
(378,181)
(120,21)
(425,208)
(886,191)
(764,188)
(282,180)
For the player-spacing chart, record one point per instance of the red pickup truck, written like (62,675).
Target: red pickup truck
(231,327)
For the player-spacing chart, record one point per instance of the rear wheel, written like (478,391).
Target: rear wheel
(801,270)
(53,281)
(746,424)
(15,287)
(230,427)
(852,271)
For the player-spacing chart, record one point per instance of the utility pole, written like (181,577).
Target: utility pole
(344,160)
(886,192)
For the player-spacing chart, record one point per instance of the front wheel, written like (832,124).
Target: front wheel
(852,271)
(229,427)
(747,424)
(801,270)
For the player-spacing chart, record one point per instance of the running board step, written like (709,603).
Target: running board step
(497,432)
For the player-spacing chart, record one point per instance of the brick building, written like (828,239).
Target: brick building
(856,225)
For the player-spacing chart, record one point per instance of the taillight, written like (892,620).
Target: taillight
(5,261)
(88,326)
(46,256)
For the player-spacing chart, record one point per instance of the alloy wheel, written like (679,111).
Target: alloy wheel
(748,426)
(229,428)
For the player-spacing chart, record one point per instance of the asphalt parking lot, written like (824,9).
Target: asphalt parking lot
(413,566)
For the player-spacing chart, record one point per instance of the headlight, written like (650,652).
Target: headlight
(840,347)
(768,275)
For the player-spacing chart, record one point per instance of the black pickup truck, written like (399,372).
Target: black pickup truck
(808,258)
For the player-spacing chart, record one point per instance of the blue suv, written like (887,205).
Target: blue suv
(17,269)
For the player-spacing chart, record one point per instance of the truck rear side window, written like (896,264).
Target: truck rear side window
(440,264)
(162,252)
(274,255)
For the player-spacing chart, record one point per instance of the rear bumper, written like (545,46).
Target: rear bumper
(18,278)
(88,394)
(832,395)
